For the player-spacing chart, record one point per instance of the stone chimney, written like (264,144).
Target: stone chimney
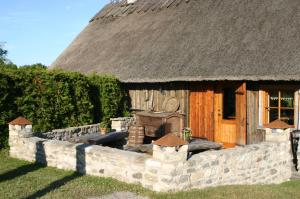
(170,148)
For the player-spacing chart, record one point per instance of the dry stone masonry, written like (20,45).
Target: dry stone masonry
(121,123)
(298,157)
(167,170)
(71,132)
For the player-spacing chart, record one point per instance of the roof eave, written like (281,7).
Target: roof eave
(211,78)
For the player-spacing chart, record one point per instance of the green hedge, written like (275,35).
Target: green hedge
(55,99)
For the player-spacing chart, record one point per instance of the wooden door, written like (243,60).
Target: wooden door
(201,114)
(230,114)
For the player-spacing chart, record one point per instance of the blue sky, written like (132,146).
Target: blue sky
(37,31)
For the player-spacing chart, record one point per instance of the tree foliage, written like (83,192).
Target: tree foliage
(111,96)
(3,54)
(56,99)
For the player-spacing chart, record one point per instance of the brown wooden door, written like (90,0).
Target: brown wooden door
(201,111)
(230,114)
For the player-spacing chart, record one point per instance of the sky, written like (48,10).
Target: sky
(37,31)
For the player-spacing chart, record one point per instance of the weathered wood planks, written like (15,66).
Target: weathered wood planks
(148,96)
(241,98)
(253,135)
(201,110)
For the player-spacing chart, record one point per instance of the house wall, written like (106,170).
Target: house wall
(150,97)
(253,135)
(256,117)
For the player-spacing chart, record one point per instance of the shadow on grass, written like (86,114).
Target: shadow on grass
(54,185)
(80,168)
(23,170)
(41,159)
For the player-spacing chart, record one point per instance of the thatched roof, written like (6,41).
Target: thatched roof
(195,40)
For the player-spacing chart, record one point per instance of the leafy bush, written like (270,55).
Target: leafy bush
(56,99)
(111,96)
(7,106)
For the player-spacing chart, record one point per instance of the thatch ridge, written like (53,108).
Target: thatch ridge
(121,8)
(195,41)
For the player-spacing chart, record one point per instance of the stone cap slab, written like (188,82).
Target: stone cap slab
(20,121)
(278,124)
(170,140)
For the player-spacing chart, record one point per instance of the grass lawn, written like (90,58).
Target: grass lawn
(21,179)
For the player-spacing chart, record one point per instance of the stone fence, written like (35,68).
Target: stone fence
(298,157)
(71,132)
(167,170)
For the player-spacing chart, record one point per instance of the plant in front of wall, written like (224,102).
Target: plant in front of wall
(104,125)
(186,134)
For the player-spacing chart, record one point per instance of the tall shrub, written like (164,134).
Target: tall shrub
(8,109)
(111,96)
(57,99)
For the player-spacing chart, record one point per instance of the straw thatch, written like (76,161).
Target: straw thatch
(195,40)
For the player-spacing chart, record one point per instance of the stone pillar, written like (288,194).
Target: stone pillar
(165,171)
(278,135)
(170,154)
(278,131)
(170,148)
(298,157)
(19,128)
(121,124)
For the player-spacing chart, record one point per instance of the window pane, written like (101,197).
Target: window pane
(287,116)
(273,114)
(273,99)
(229,111)
(287,99)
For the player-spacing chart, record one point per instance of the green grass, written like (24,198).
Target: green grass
(21,179)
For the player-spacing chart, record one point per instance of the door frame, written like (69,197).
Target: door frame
(240,120)
(201,93)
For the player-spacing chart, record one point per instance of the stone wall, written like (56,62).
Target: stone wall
(71,132)
(167,169)
(298,157)
(254,164)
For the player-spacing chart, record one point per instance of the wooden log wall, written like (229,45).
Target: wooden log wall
(150,97)
(252,114)
(241,111)
(253,135)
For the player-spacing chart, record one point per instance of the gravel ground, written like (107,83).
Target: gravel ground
(120,195)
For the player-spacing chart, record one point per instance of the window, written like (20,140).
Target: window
(280,105)
(229,105)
